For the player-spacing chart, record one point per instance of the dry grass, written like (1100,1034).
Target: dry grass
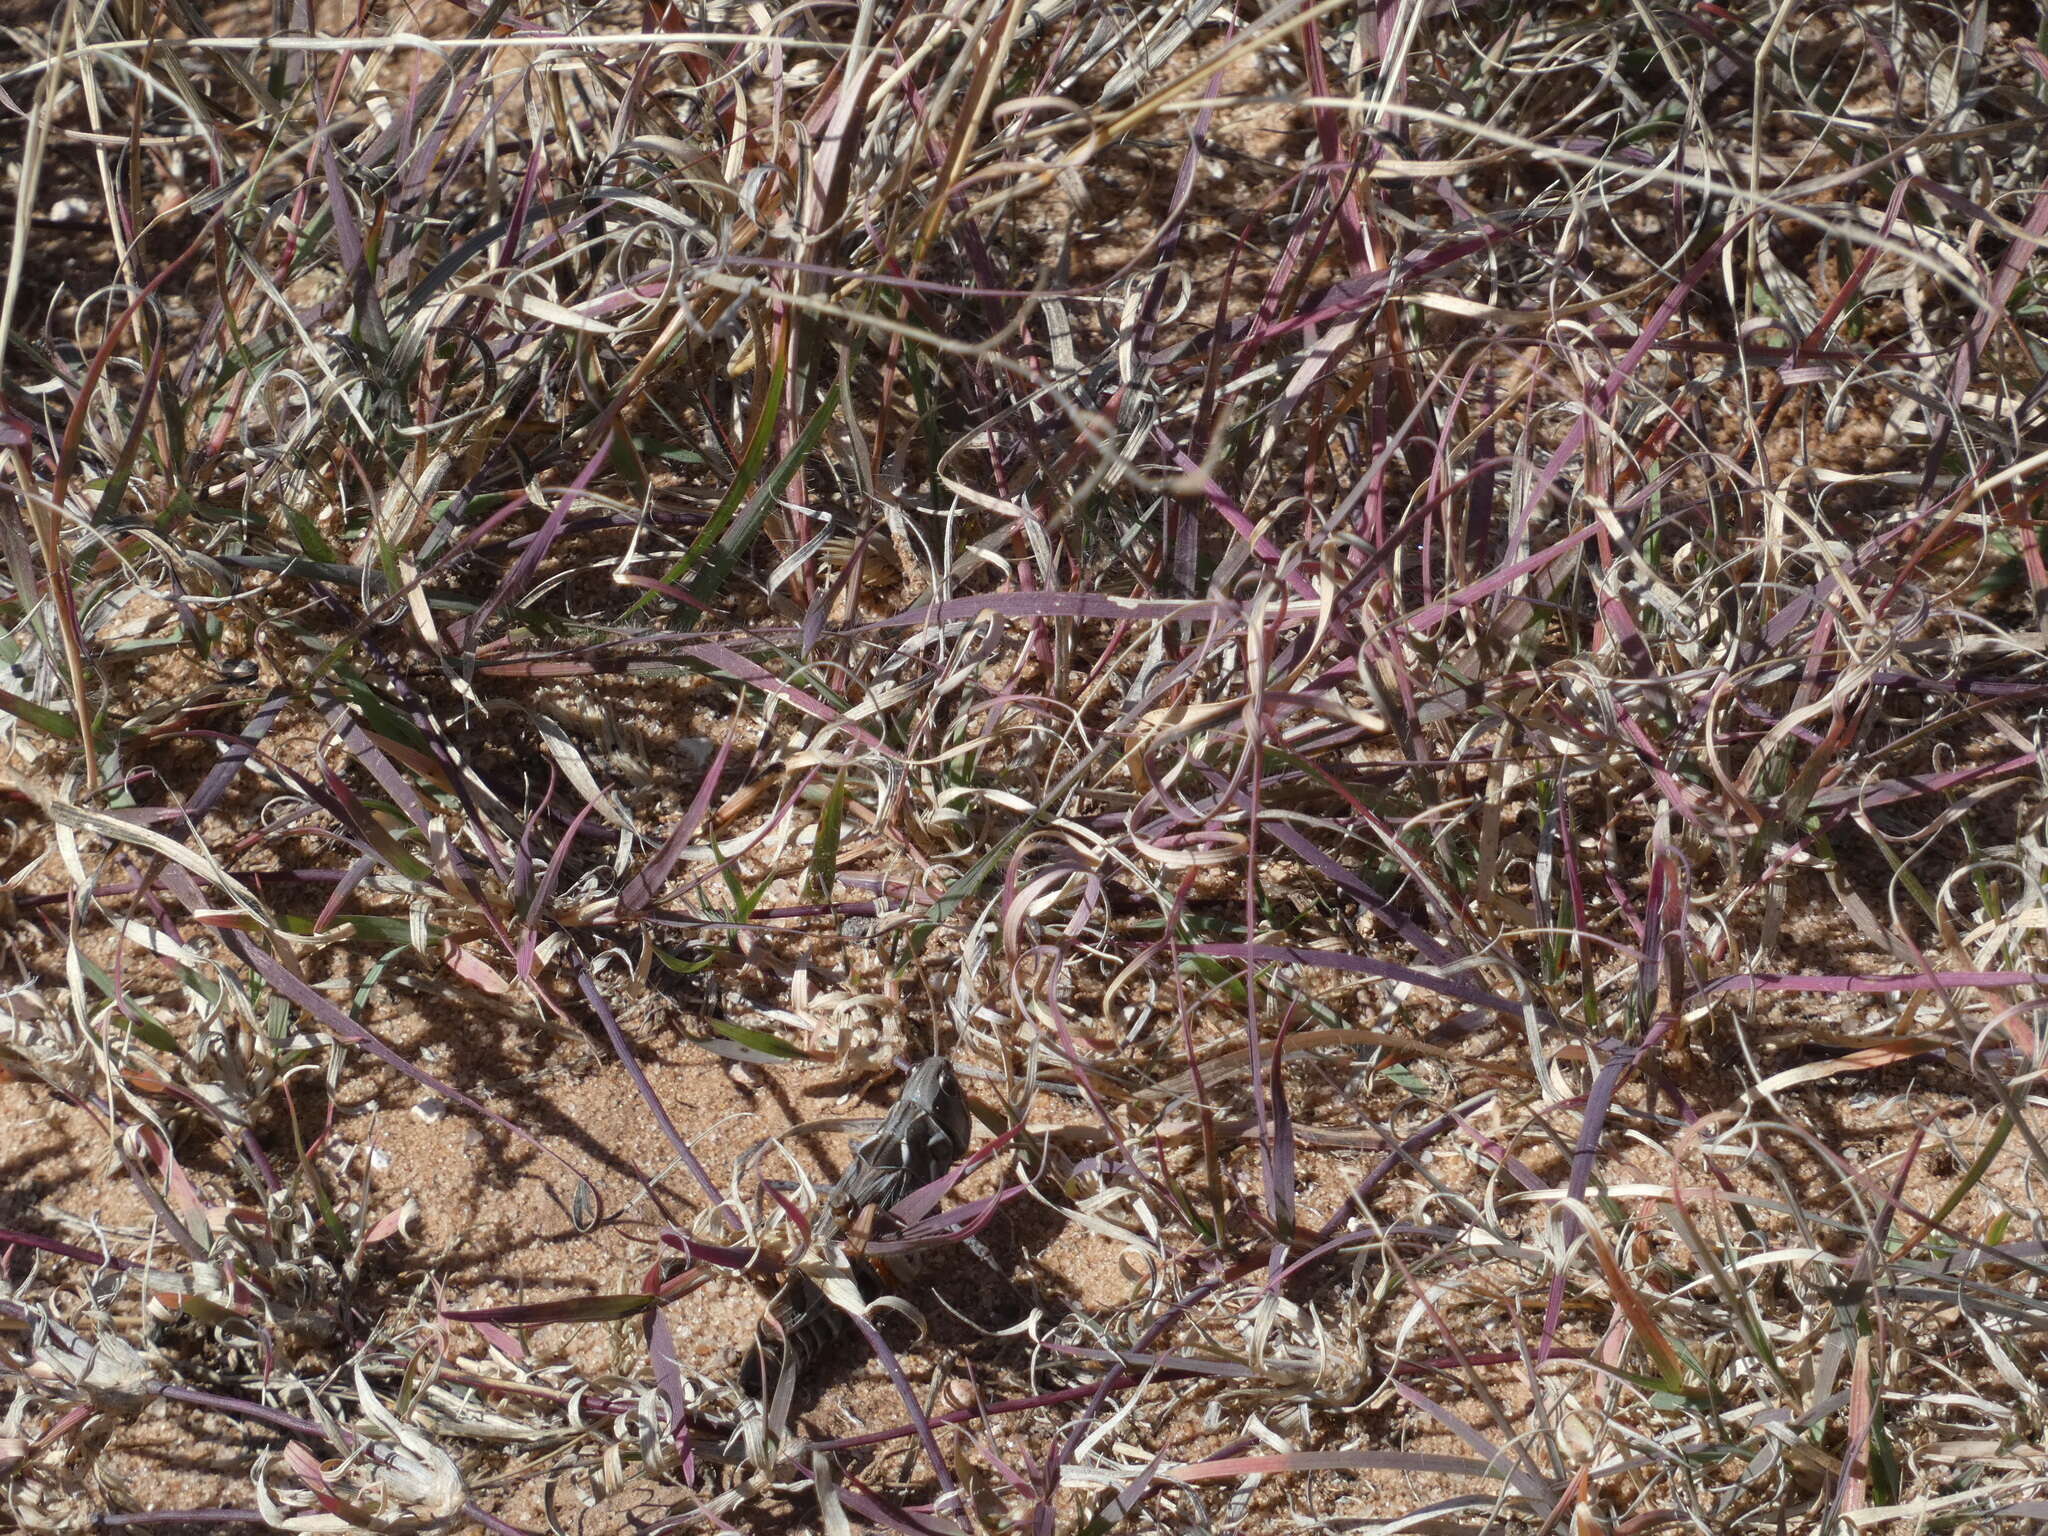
(1413,632)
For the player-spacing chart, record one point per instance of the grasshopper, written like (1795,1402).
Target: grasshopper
(923,1136)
